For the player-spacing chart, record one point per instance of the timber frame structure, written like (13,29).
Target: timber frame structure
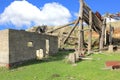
(93,21)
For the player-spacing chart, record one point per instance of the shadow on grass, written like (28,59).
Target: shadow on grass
(59,56)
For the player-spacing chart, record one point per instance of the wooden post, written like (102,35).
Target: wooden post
(110,35)
(90,33)
(110,39)
(102,36)
(105,33)
(80,36)
(105,37)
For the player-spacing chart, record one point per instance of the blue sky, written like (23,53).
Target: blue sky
(103,6)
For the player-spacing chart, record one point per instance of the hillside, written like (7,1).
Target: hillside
(115,24)
(62,33)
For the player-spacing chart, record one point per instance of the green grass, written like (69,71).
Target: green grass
(55,68)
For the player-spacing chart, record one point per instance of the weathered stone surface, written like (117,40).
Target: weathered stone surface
(39,54)
(4,47)
(110,48)
(72,58)
(19,45)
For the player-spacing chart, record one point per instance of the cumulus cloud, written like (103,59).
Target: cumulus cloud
(23,13)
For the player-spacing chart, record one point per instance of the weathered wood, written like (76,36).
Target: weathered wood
(81,33)
(85,11)
(102,36)
(90,33)
(60,27)
(110,34)
(86,7)
(97,21)
(104,23)
(76,23)
(97,29)
(96,18)
(86,15)
(97,24)
(85,19)
(105,37)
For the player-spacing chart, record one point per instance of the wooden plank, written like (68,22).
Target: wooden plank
(105,37)
(90,33)
(85,11)
(86,19)
(96,20)
(86,7)
(85,14)
(60,27)
(102,35)
(110,34)
(96,23)
(95,29)
(81,34)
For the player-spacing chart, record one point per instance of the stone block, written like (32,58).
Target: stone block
(110,49)
(72,58)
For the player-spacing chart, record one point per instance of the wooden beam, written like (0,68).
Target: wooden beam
(61,27)
(86,7)
(96,20)
(95,29)
(90,33)
(102,35)
(81,33)
(85,11)
(76,23)
(110,34)
(86,19)
(85,14)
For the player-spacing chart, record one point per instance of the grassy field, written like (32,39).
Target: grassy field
(55,68)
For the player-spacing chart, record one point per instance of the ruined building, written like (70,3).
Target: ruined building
(19,46)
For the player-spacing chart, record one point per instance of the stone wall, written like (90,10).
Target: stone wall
(4,47)
(22,45)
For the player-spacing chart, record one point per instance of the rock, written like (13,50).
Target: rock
(71,58)
(110,48)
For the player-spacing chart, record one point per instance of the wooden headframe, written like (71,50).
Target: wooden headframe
(94,23)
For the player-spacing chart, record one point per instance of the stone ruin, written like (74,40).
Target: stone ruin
(18,46)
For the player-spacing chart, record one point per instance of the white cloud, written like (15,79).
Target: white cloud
(23,13)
